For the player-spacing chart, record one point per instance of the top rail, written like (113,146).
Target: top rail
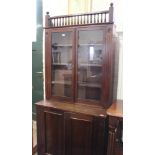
(80,19)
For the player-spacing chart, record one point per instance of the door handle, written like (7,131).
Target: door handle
(40,74)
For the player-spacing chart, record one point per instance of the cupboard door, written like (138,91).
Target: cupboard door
(85,135)
(78,132)
(54,133)
(100,136)
(62,64)
(115,143)
(90,52)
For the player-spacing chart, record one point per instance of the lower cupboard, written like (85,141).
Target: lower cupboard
(70,132)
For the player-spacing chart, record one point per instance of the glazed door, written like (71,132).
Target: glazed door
(62,64)
(61,71)
(90,54)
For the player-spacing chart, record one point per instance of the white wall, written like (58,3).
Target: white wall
(55,7)
(120,69)
(100,5)
(33,15)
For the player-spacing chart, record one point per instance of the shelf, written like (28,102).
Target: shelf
(62,45)
(56,51)
(60,51)
(90,65)
(91,44)
(92,85)
(62,64)
(61,82)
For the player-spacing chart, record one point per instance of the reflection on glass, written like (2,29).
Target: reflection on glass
(62,64)
(90,53)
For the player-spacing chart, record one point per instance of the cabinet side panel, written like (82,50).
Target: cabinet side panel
(54,133)
(47,64)
(108,69)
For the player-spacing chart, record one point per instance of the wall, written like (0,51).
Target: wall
(55,7)
(100,5)
(120,66)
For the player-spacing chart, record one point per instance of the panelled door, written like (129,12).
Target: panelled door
(85,134)
(78,133)
(54,135)
(50,131)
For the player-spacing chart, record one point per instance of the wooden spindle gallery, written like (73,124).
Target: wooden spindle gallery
(82,19)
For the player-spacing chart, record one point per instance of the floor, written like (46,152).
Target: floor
(34,133)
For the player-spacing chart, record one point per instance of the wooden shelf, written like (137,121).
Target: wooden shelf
(59,51)
(56,51)
(61,64)
(62,45)
(91,65)
(92,85)
(91,44)
(61,82)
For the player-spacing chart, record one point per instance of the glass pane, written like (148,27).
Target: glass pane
(90,54)
(62,64)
